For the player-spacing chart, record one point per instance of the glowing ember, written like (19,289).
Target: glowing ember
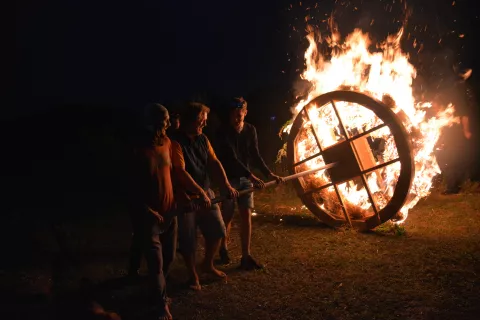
(386,75)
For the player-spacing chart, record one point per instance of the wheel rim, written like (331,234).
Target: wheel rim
(351,167)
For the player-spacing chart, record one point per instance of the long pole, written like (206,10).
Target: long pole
(171,214)
(271,183)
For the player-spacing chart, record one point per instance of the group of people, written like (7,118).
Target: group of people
(171,192)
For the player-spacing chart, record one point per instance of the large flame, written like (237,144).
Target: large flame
(381,74)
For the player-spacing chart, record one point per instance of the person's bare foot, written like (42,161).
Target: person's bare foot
(100,313)
(194,284)
(164,314)
(210,269)
(248,263)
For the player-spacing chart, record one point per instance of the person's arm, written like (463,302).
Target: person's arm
(143,174)
(255,154)
(462,100)
(228,155)
(217,167)
(466,127)
(182,176)
(258,160)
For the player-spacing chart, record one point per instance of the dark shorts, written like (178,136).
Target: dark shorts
(244,202)
(209,221)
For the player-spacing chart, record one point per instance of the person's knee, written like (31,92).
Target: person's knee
(172,228)
(214,231)
(169,249)
(168,257)
(246,204)
(245,213)
(215,235)
(187,243)
(228,209)
(153,242)
(187,233)
(187,246)
(212,225)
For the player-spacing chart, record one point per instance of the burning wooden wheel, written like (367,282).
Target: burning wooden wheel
(375,168)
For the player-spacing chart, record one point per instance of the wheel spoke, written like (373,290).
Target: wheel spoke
(339,119)
(366,132)
(307,159)
(370,197)
(357,136)
(381,166)
(345,213)
(313,129)
(318,189)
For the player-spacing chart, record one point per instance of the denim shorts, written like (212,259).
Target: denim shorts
(209,221)
(244,202)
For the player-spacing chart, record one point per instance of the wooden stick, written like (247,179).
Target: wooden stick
(167,218)
(271,183)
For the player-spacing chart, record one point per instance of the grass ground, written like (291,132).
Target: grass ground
(429,271)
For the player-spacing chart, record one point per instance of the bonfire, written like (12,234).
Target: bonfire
(385,74)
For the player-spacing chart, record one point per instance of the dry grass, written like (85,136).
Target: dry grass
(427,270)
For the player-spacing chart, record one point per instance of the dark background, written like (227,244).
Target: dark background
(85,68)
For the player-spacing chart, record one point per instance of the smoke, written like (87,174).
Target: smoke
(301,88)
(364,21)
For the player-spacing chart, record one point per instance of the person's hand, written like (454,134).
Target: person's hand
(155,214)
(232,193)
(278,179)
(205,201)
(467,134)
(257,183)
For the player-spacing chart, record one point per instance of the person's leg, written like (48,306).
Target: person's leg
(452,179)
(211,247)
(154,255)
(213,230)
(169,245)
(456,166)
(453,160)
(473,144)
(187,234)
(228,209)
(467,161)
(245,207)
(245,229)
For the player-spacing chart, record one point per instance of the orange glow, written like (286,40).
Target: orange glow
(386,73)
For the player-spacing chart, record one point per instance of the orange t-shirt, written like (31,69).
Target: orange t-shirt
(152,179)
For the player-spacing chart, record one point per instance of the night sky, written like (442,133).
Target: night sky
(100,52)
(129,53)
